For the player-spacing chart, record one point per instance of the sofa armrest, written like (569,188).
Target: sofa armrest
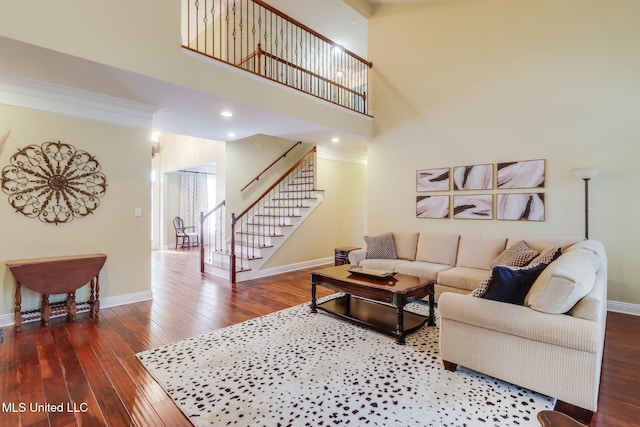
(558,329)
(356,256)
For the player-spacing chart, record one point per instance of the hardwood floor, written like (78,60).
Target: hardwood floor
(93,365)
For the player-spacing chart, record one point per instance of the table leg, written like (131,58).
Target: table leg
(432,314)
(18,308)
(71,306)
(45,310)
(96,301)
(347,303)
(313,294)
(400,325)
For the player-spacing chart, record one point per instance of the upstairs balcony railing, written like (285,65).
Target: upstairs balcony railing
(256,37)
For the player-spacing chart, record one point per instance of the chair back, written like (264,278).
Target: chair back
(178,224)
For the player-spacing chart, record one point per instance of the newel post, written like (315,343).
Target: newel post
(232,259)
(201,241)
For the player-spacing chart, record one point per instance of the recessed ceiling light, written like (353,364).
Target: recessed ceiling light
(335,139)
(226,113)
(231,135)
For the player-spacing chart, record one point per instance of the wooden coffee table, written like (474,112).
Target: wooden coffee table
(374,302)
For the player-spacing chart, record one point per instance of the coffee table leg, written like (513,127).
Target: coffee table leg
(432,315)
(400,326)
(313,294)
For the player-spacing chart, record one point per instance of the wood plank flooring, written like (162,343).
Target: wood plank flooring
(93,365)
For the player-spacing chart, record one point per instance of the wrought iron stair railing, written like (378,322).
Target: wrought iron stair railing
(266,220)
(256,37)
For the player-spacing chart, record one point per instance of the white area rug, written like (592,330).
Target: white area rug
(295,368)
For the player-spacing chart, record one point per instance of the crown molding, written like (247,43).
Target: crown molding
(327,154)
(57,99)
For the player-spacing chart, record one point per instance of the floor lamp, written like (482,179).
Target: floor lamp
(586,174)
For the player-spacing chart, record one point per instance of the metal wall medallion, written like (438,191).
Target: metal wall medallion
(53,182)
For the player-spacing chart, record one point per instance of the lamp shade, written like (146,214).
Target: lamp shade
(586,173)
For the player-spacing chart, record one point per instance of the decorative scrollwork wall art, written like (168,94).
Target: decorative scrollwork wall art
(53,182)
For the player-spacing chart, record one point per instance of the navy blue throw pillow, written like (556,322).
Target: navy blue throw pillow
(511,285)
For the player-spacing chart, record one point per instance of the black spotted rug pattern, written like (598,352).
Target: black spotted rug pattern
(297,368)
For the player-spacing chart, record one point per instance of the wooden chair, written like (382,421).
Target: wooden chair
(187,234)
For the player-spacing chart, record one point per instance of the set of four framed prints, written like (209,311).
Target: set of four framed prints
(467,187)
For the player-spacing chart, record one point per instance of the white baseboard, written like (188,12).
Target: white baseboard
(623,307)
(9,319)
(293,267)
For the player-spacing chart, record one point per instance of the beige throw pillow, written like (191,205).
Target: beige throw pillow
(564,282)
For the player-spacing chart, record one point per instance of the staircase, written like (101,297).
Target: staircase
(261,229)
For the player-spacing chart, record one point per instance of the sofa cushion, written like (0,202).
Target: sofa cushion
(564,282)
(406,244)
(511,284)
(383,264)
(437,248)
(428,270)
(381,247)
(516,255)
(589,245)
(479,252)
(462,277)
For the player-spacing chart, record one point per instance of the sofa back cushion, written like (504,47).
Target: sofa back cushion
(437,248)
(479,252)
(542,243)
(566,280)
(406,244)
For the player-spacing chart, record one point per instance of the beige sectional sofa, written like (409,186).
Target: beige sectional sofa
(552,343)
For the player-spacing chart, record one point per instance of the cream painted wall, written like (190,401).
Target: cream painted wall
(487,81)
(339,220)
(123,153)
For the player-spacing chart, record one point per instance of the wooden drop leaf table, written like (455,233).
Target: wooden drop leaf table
(57,275)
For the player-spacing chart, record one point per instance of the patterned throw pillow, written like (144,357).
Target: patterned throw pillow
(381,247)
(547,256)
(517,255)
(483,286)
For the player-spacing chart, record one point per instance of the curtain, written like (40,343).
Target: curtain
(193,197)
